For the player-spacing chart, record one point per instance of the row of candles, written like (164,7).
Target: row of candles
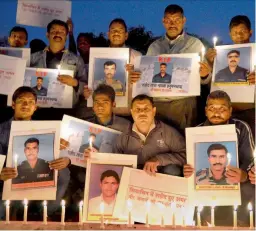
(129,207)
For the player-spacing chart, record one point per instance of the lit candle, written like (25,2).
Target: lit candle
(199,209)
(16,162)
(173,207)
(251,215)
(212,216)
(58,67)
(129,206)
(25,215)
(183,217)
(215,39)
(161,206)
(202,54)
(148,205)
(45,213)
(81,212)
(102,226)
(7,212)
(235,217)
(63,209)
(90,143)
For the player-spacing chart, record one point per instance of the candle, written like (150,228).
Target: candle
(45,213)
(58,67)
(7,212)
(251,215)
(148,205)
(102,226)
(173,207)
(161,207)
(25,215)
(202,54)
(235,217)
(63,212)
(215,39)
(81,212)
(16,161)
(90,143)
(199,209)
(212,216)
(183,217)
(129,206)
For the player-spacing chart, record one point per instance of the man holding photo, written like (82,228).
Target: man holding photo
(39,89)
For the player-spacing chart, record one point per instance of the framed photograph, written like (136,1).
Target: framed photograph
(23,53)
(103,175)
(32,145)
(50,92)
(168,75)
(108,66)
(232,65)
(212,150)
(2,160)
(12,72)
(152,197)
(81,135)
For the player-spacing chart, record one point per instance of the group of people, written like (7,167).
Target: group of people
(155,133)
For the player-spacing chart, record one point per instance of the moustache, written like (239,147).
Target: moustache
(214,117)
(217,164)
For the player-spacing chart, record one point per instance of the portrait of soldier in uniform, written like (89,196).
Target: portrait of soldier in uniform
(218,160)
(162,76)
(39,89)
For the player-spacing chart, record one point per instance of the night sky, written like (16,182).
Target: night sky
(205,18)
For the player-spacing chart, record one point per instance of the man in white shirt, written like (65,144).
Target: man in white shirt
(109,184)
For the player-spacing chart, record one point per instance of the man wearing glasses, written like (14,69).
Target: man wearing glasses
(232,73)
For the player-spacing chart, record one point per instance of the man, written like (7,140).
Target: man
(117,35)
(215,175)
(179,111)
(110,71)
(84,43)
(159,148)
(162,77)
(218,111)
(232,73)
(109,184)
(24,105)
(92,139)
(18,37)
(39,89)
(33,169)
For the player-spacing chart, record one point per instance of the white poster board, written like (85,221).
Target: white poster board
(168,75)
(221,77)
(139,187)
(40,13)
(204,189)
(41,183)
(2,160)
(104,169)
(109,63)
(23,53)
(50,92)
(12,72)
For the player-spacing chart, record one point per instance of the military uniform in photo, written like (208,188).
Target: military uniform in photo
(205,177)
(40,92)
(41,172)
(225,75)
(116,84)
(162,79)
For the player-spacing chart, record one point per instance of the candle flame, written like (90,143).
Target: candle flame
(7,203)
(235,207)
(63,203)
(215,39)
(58,67)
(15,157)
(250,206)
(102,207)
(200,208)
(81,203)
(25,201)
(45,203)
(129,205)
(90,142)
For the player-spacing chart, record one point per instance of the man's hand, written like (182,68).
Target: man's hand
(188,170)
(87,92)
(251,78)
(235,175)
(88,151)
(205,69)
(60,163)
(151,167)
(70,26)
(210,55)
(129,67)
(68,80)
(8,173)
(252,175)
(63,144)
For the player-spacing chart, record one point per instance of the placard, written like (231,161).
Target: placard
(2,160)
(23,53)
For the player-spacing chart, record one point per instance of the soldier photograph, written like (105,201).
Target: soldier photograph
(162,76)
(39,88)
(219,159)
(34,170)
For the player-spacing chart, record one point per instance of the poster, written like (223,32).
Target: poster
(108,66)
(2,160)
(12,72)
(152,196)
(32,145)
(211,150)
(168,75)
(23,53)
(232,65)
(40,13)
(50,92)
(81,135)
(103,174)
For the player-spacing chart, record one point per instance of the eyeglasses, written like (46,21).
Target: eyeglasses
(173,20)
(54,32)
